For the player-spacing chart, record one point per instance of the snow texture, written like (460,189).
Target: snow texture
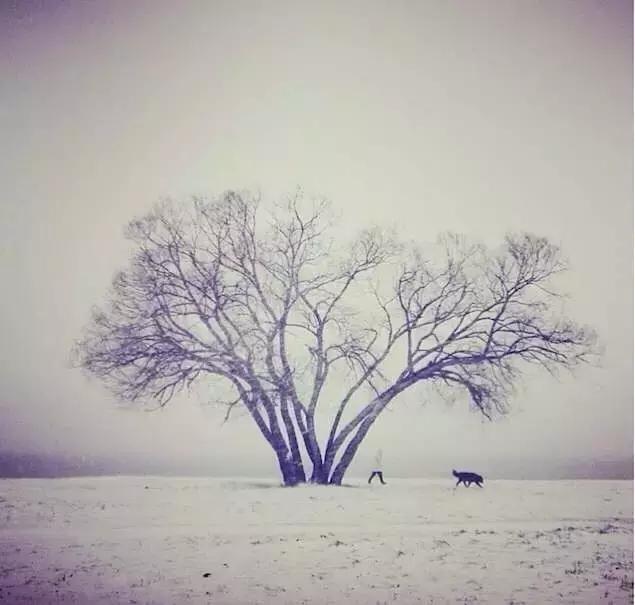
(177,540)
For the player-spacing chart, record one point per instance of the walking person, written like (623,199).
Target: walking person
(377,468)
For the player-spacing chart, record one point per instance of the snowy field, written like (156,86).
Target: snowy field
(193,540)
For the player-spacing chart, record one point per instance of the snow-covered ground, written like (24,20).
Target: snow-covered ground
(176,540)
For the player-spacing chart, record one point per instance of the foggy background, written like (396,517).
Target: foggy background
(480,118)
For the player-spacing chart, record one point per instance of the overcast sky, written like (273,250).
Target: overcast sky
(477,117)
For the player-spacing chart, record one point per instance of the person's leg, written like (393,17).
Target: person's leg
(381,477)
(372,476)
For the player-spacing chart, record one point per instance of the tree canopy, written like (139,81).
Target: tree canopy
(272,311)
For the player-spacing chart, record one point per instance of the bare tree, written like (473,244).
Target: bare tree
(272,310)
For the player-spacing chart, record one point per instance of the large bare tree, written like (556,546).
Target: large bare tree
(279,318)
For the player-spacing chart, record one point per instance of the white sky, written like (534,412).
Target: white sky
(480,118)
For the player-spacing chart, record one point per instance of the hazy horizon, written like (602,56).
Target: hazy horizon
(16,465)
(480,118)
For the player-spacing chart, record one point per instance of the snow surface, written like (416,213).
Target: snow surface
(193,540)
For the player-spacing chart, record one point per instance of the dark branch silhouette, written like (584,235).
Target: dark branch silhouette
(267,306)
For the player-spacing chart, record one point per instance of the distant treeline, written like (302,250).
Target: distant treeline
(18,465)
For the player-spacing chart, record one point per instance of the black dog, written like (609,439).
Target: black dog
(467,478)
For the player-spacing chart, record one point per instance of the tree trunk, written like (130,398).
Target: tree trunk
(290,474)
(295,458)
(317,475)
(350,451)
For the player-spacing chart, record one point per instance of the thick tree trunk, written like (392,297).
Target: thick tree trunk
(288,469)
(317,475)
(295,458)
(291,473)
(350,451)
(333,446)
(290,465)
